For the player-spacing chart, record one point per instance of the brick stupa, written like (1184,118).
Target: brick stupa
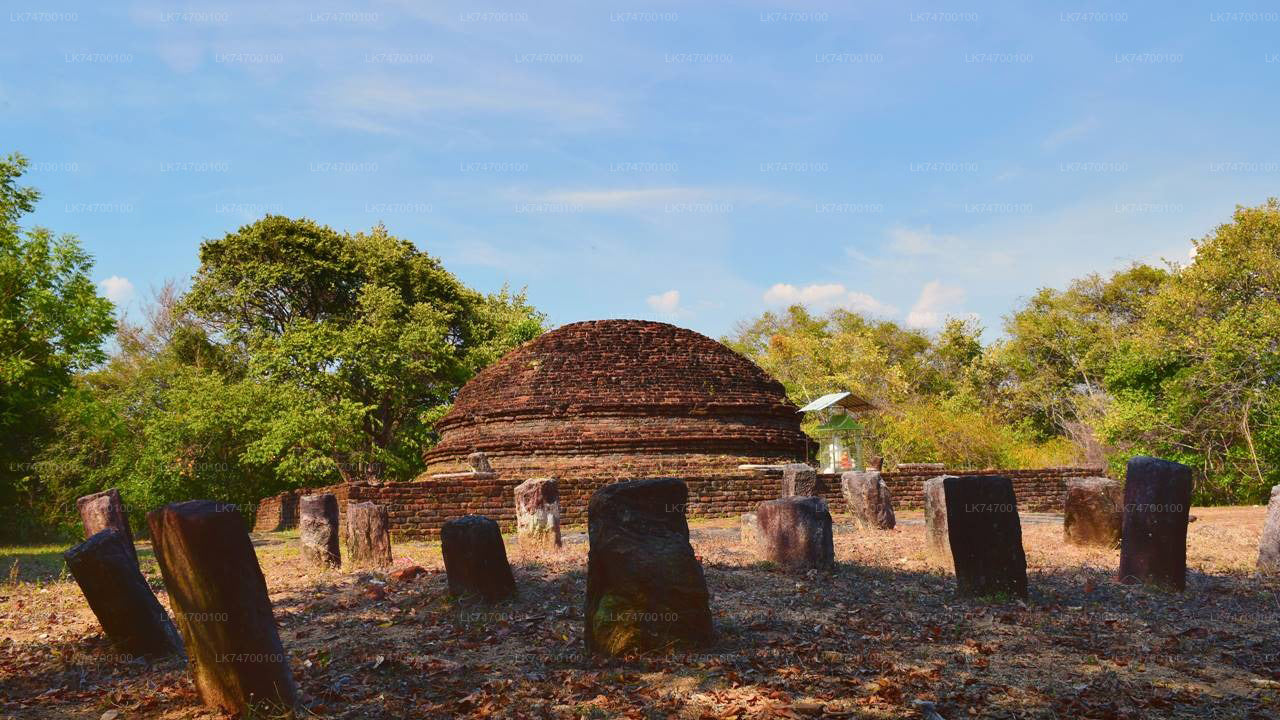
(619,399)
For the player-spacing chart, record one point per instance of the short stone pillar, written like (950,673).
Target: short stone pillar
(1093,512)
(1157,501)
(103,510)
(119,596)
(869,500)
(985,535)
(368,534)
(645,587)
(796,534)
(479,462)
(475,559)
(318,525)
(800,480)
(749,530)
(1269,546)
(538,512)
(935,515)
(219,599)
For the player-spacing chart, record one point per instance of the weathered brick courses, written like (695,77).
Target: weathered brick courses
(418,509)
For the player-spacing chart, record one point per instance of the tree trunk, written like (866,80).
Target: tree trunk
(219,598)
(103,510)
(119,596)
(368,535)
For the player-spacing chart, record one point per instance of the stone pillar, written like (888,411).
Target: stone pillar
(368,535)
(475,558)
(119,596)
(1157,501)
(220,601)
(935,515)
(318,524)
(796,533)
(1269,547)
(479,462)
(749,530)
(985,536)
(103,510)
(645,587)
(538,512)
(1093,512)
(869,500)
(800,480)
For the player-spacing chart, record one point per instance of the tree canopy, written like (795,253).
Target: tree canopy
(52,325)
(1180,362)
(299,356)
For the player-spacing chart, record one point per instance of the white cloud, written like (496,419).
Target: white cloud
(117,289)
(825,297)
(933,304)
(667,303)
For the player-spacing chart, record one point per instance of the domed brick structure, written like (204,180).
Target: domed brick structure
(616,399)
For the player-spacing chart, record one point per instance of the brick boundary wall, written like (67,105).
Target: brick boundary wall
(417,509)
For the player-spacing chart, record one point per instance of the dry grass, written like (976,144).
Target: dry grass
(865,640)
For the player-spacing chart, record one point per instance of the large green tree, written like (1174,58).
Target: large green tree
(1049,373)
(1199,379)
(300,356)
(365,320)
(52,325)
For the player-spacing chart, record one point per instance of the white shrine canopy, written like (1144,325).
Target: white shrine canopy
(846,400)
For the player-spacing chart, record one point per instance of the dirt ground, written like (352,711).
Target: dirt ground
(867,640)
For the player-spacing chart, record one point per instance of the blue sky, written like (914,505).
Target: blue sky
(696,163)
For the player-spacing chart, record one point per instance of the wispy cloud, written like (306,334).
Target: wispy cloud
(622,199)
(1067,134)
(920,241)
(388,105)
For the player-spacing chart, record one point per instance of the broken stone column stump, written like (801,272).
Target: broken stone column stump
(796,533)
(1269,546)
(869,500)
(1153,544)
(1093,512)
(219,598)
(985,535)
(479,462)
(475,559)
(318,530)
(799,479)
(935,515)
(538,512)
(368,534)
(103,510)
(645,587)
(120,598)
(749,531)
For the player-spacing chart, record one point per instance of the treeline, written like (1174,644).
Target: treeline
(1180,362)
(299,356)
